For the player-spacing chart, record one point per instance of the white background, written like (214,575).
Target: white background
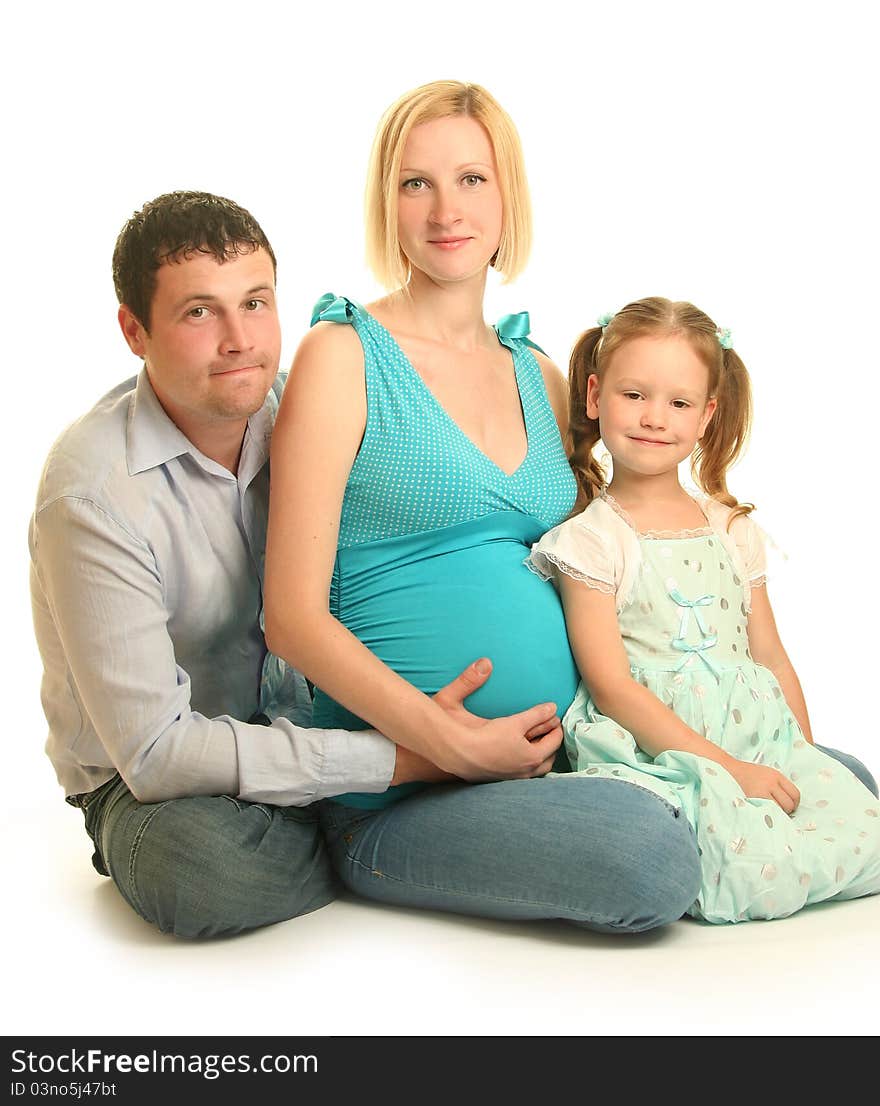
(715,152)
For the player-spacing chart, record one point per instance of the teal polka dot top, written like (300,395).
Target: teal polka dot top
(416,470)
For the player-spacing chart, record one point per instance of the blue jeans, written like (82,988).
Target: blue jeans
(209,865)
(855,766)
(601,853)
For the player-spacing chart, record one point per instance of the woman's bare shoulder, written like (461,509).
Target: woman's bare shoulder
(332,346)
(556,384)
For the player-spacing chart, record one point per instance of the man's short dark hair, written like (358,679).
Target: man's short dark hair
(172,228)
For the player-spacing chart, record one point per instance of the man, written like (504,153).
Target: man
(147,546)
(199,780)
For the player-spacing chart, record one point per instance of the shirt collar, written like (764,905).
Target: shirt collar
(154,439)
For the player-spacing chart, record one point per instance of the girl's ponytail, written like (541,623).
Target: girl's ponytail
(727,433)
(583,432)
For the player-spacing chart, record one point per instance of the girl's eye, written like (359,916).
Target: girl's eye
(680,404)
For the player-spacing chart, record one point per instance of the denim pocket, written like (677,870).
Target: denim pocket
(93,804)
(243,805)
(338,821)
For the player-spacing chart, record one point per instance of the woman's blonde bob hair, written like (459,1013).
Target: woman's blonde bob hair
(439,100)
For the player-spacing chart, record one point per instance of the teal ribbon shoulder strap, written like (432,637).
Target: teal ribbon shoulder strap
(334,309)
(517,326)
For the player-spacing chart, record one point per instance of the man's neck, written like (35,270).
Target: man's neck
(221,442)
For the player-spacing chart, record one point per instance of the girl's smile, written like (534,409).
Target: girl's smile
(652,404)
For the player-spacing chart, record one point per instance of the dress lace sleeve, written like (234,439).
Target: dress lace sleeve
(579,549)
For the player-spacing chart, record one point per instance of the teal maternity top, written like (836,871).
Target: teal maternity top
(429,571)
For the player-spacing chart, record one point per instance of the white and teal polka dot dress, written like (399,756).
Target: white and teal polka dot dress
(429,572)
(682,604)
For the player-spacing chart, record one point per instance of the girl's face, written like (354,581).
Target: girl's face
(652,404)
(449,206)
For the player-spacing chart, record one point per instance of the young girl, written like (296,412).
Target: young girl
(686,688)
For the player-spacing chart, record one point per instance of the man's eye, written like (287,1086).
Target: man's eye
(254,305)
(632,395)
(198,312)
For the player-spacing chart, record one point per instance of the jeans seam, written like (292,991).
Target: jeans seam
(674,812)
(262,807)
(478,895)
(135,848)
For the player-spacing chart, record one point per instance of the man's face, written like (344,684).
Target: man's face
(214,342)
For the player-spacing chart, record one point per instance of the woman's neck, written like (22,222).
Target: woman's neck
(451,314)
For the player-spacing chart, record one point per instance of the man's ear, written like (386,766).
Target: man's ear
(132,330)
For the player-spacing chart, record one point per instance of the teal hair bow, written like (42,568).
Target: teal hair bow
(725,339)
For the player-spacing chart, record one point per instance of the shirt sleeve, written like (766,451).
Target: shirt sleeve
(751,544)
(99,588)
(578,549)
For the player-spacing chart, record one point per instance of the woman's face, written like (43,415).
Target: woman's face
(449,206)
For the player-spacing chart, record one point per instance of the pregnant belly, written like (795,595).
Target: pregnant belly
(430,604)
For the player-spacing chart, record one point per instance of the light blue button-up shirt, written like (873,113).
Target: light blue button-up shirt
(146,568)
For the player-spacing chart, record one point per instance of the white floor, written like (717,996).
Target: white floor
(779,243)
(81,962)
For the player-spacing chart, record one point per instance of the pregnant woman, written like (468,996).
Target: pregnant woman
(417,455)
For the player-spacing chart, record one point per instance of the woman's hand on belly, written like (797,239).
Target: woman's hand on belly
(517,746)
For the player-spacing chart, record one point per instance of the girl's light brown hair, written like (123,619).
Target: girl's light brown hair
(728,429)
(439,100)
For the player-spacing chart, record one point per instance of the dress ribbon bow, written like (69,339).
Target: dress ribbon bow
(690,605)
(516,326)
(333,309)
(709,641)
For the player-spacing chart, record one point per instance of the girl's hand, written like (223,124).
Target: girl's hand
(760,782)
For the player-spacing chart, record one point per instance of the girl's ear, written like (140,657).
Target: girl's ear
(711,405)
(593,397)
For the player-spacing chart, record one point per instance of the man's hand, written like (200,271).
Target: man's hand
(409,767)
